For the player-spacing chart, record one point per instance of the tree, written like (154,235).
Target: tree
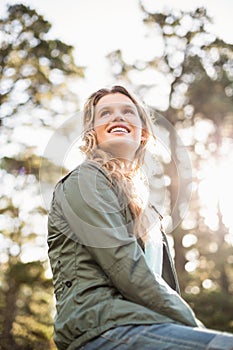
(34,69)
(35,97)
(195,69)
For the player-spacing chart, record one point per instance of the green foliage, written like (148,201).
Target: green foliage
(33,68)
(31,165)
(28,305)
(214,309)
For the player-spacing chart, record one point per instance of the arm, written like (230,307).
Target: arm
(92,210)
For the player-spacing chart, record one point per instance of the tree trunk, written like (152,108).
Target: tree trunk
(175,189)
(9,311)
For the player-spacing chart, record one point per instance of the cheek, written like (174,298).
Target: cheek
(100,135)
(138,132)
(138,126)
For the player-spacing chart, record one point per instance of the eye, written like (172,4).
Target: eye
(105,113)
(129,111)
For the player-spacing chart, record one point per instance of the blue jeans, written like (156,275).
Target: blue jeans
(161,337)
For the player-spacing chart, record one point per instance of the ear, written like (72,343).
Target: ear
(144,135)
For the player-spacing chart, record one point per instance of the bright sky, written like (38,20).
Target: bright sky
(96,28)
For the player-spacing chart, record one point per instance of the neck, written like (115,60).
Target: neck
(127,165)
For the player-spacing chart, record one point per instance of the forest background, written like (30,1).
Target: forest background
(184,73)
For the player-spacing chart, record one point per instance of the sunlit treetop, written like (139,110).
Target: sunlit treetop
(34,68)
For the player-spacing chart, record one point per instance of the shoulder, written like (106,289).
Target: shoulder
(87,180)
(88,171)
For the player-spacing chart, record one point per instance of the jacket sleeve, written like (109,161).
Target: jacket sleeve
(96,218)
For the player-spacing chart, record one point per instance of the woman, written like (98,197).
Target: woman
(111,292)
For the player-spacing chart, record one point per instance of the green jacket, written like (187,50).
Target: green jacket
(101,279)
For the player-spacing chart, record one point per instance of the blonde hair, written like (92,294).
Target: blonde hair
(113,166)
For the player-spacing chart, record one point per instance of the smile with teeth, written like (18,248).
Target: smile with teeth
(118,129)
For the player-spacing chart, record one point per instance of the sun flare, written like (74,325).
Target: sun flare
(216,191)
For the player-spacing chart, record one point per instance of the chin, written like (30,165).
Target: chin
(121,150)
(120,144)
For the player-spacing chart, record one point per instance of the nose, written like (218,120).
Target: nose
(118,117)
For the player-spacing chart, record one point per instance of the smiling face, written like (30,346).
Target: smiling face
(118,126)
